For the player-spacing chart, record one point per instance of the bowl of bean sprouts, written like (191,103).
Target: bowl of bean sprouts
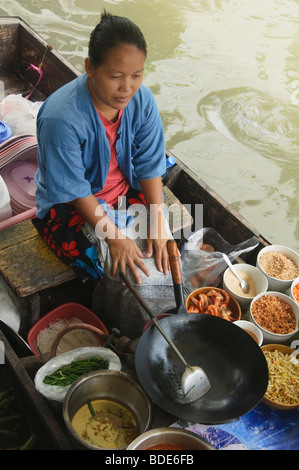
(283,386)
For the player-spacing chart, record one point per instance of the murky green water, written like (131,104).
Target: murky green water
(225,74)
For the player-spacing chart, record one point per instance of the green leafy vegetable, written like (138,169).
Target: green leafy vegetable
(68,373)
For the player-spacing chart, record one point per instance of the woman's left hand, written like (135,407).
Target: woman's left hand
(157,245)
(158,234)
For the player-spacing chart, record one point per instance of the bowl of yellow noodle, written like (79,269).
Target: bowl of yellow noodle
(283,386)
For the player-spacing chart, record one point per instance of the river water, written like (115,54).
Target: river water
(225,74)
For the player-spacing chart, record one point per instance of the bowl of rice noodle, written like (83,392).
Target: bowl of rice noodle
(283,386)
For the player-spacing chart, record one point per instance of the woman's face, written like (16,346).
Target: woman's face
(113,84)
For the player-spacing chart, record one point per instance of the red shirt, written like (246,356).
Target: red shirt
(116,183)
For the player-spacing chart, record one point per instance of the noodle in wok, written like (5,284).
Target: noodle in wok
(283,386)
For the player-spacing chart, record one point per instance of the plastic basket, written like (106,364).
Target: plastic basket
(65,311)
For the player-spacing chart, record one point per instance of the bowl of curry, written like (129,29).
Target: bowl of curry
(169,438)
(105,410)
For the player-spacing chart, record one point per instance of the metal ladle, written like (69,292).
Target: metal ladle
(194,381)
(243,284)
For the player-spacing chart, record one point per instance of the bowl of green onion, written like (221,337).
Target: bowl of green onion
(56,376)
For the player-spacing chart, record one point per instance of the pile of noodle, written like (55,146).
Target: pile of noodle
(71,340)
(283,386)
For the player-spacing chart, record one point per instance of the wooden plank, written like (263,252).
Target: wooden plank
(56,70)
(20,47)
(14,85)
(50,433)
(27,264)
(8,45)
(17,233)
(179,217)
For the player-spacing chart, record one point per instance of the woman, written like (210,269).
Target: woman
(100,137)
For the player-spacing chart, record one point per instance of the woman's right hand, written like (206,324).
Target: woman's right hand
(125,253)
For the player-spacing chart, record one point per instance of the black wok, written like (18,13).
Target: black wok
(232,360)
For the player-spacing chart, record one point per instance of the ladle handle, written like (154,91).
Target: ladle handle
(150,313)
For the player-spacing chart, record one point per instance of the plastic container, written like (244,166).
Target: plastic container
(170,162)
(5,208)
(66,311)
(19,178)
(5,132)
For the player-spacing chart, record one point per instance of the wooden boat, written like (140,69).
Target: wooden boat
(21,51)
(37,280)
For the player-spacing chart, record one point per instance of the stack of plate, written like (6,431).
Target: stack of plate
(5,208)
(19,178)
(21,147)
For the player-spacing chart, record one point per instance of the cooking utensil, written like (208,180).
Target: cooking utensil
(174,259)
(18,344)
(243,284)
(233,361)
(103,385)
(194,381)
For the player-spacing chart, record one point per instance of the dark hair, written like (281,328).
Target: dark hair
(111,32)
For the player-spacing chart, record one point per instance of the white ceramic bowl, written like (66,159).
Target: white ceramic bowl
(294,283)
(249,326)
(268,336)
(274,284)
(260,281)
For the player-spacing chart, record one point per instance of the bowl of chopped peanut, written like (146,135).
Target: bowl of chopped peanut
(280,265)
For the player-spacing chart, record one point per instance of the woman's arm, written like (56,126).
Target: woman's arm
(158,234)
(124,251)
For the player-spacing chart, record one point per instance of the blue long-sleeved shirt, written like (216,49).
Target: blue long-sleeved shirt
(74,152)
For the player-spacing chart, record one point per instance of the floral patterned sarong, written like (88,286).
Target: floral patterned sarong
(62,230)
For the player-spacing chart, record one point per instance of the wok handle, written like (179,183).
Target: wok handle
(177,279)
(174,260)
(150,313)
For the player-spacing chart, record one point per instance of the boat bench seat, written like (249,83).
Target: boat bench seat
(29,267)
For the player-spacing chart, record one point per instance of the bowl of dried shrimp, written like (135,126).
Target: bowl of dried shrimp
(213,301)
(283,386)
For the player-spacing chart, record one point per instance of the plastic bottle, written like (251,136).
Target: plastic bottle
(170,162)
(5,132)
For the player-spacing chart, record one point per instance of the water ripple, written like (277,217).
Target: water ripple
(254,119)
